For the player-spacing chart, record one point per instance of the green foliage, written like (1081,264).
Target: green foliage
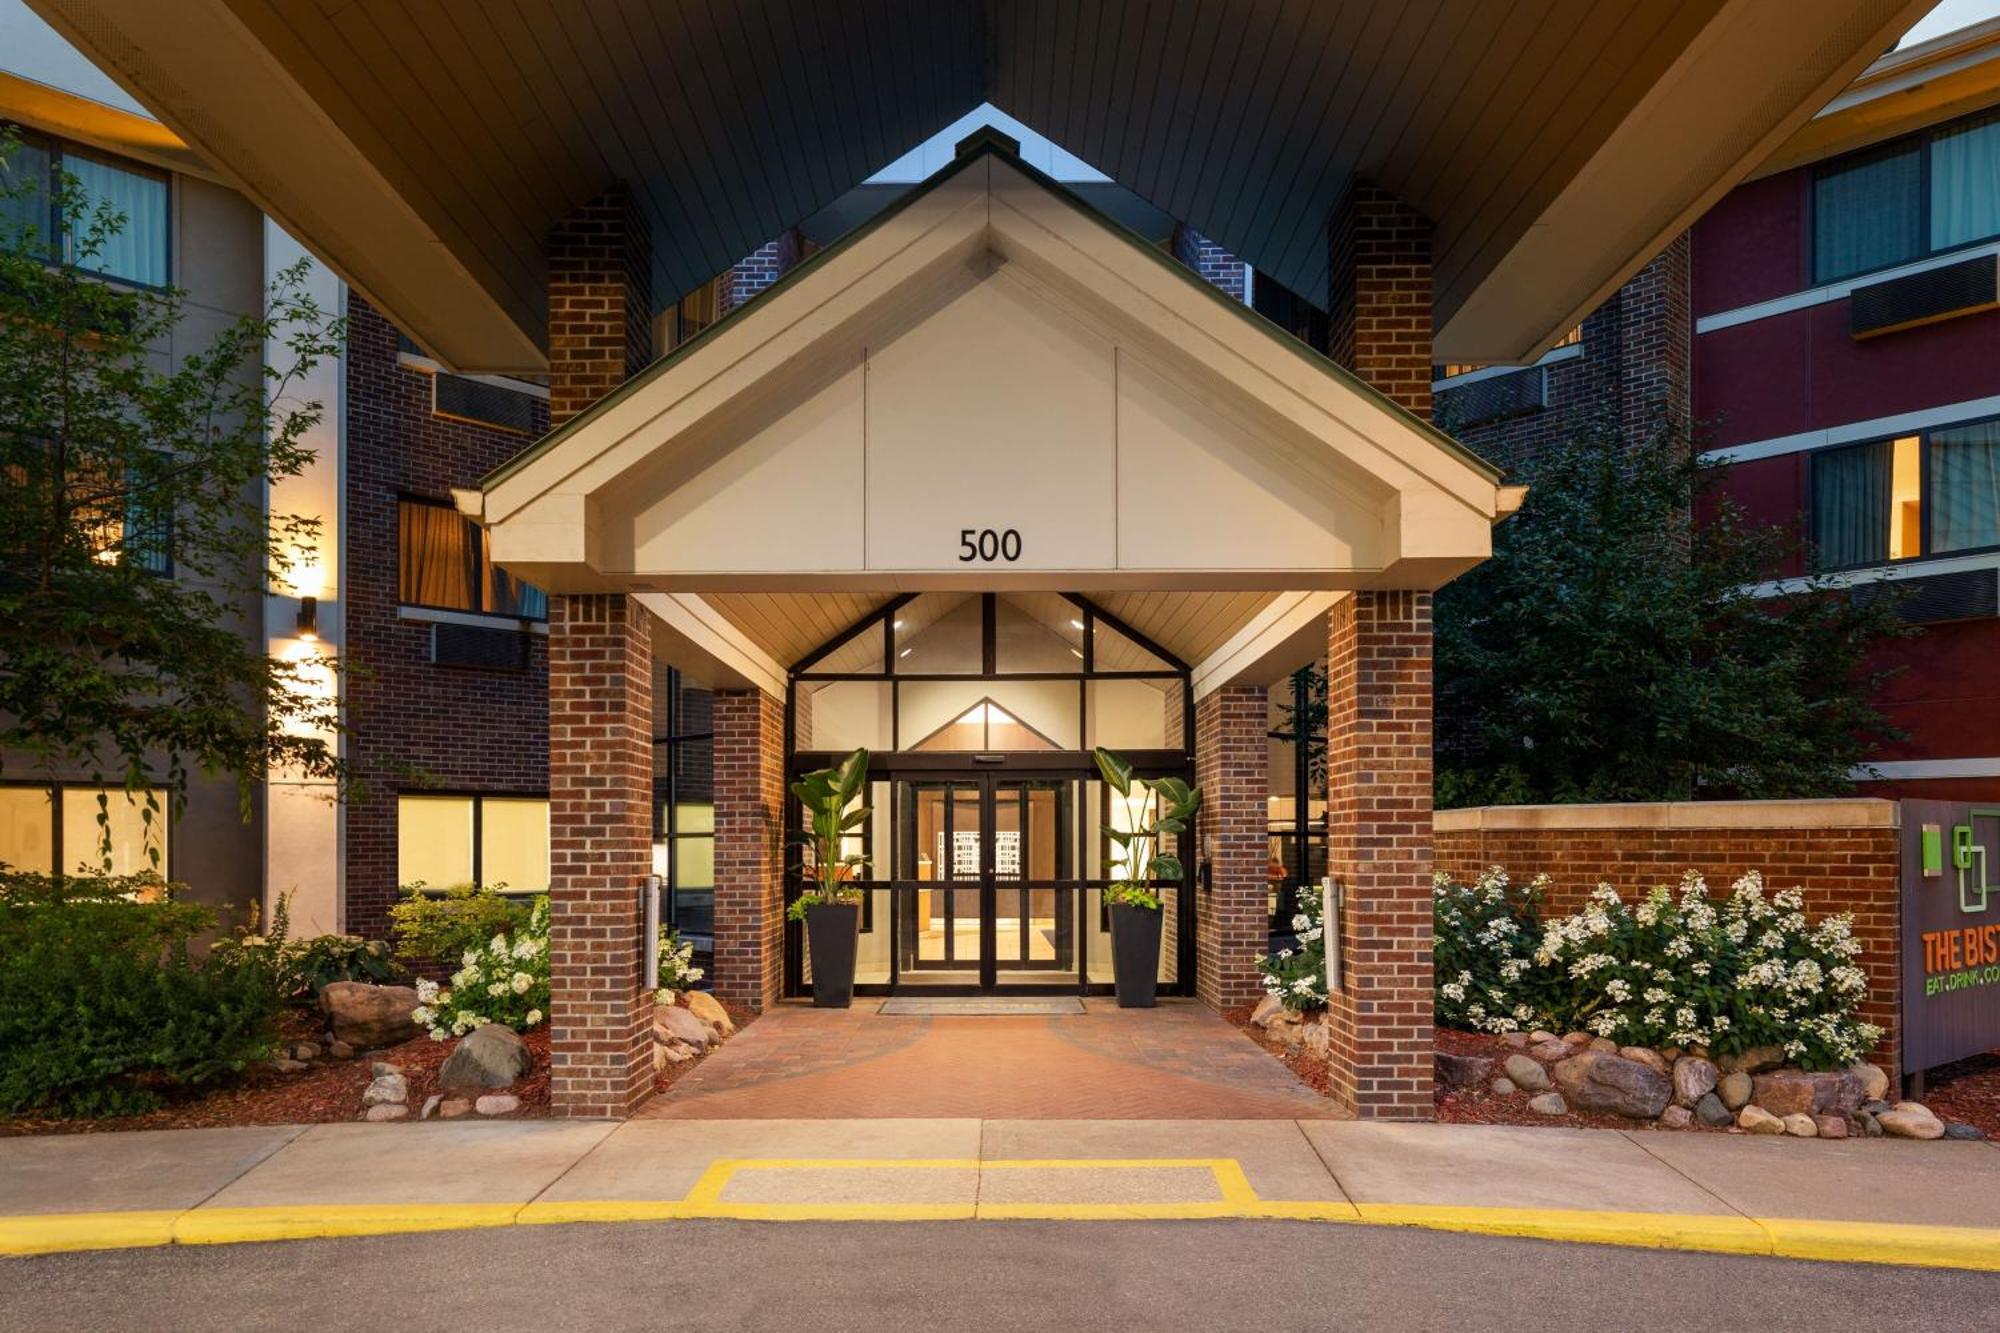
(119,461)
(1153,812)
(1484,950)
(833,813)
(103,1008)
(301,969)
(442,925)
(1603,655)
(1296,974)
(502,980)
(677,969)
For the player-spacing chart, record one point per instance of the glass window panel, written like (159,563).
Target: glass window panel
(134,838)
(437,564)
(1965,487)
(843,714)
(1965,183)
(138,252)
(1850,504)
(1113,651)
(434,840)
(24,195)
(941,633)
(1036,632)
(27,829)
(1868,212)
(1132,714)
(1906,506)
(514,844)
(861,655)
(989,715)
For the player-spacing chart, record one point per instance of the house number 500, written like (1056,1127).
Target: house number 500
(986,544)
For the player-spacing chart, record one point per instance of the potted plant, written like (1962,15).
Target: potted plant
(831,908)
(1153,810)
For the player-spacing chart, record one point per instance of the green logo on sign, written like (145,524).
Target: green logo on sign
(1964,851)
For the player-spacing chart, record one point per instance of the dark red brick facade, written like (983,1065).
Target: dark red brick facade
(1232,913)
(600,302)
(1379,306)
(1215,265)
(416,725)
(749,847)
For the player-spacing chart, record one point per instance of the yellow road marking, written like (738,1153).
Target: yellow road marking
(1972,1248)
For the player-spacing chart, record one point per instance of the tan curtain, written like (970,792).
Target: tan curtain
(436,558)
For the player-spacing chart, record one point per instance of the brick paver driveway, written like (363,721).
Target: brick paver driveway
(1180,1061)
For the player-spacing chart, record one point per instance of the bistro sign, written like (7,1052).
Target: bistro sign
(1951,932)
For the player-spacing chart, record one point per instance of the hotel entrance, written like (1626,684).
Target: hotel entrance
(986,841)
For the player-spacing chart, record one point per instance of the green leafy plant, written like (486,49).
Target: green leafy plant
(831,799)
(502,980)
(442,924)
(1296,974)
(1483,956)
(104,1008)
(677,969)
(302,968)
(1153,812)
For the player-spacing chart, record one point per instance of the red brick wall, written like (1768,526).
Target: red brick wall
(1231,915)
(1217,267)
(1379,304)
(1840,869)
(600,852)
(600,306)
(749,851)
(466,729)
(1379,849)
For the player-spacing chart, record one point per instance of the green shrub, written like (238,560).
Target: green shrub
(301,969)
(677,969)
(503,980)
(1483,957)
(1296,975)
(102,1008)
(443,925)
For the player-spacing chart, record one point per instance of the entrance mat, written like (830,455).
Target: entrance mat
(984,1006)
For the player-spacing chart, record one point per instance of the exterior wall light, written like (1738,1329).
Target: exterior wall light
(309,618)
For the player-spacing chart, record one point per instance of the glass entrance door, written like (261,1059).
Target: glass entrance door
(985,883)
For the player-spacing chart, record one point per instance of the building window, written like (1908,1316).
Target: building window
(137,253)
(62,829)
(443,564)
(1912,496)
(684,803)
(1901,201)
(1452,369)
(497,842)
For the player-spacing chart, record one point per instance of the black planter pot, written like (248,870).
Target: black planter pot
(1135,955)
(833,930)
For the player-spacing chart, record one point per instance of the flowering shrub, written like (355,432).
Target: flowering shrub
(677,969)
(1297,975)
(505,981)
(1485,952)
(302,968)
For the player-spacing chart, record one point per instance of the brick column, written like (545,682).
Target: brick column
(1378,698)
(749,851)
(1654,355)
(1379,300)
(1232,915)
(600,851)
(600,302)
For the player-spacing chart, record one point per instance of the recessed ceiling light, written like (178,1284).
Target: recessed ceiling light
(898,625)
(1076,624)
(906,652)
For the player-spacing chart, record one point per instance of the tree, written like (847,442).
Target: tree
(132,527)
(1613,650)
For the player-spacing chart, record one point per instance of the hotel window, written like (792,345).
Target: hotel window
(684,803)
(443,564)
(1915,495)
(62,829)
(137,253)
(1452,369)
(499,842)
(1901,201)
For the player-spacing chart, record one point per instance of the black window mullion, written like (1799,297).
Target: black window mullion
(478,842)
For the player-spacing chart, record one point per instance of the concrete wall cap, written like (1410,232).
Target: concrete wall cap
(1839,812)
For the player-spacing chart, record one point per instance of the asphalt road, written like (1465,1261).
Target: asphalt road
(953,1276)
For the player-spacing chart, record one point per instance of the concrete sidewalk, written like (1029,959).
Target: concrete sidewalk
(1934,1204)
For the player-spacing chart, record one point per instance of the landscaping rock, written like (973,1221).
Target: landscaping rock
(1650,1058)
(1317,1036)
(1734,1089)
(1462,1071)
(1549,1103)
(1262,1016)
(431,1104)
(454,1107)
(284,1066)
(1795,1092)
(1694,1078)
(1578,1038)
(1756,1120)
(1753,1061)
(385,1090)
(1875,1107)
(340,1050)
(1710,1111)
(1526,1073)
(1676,1117)
(305,1050)
(1518,1040)
(667,1053)
(1801,1126)
(1540,1035)
(1963,1131)
(1602,1045)
(365,1015)
(497,1103)
(388,1111)
(1870,1126)
(1551,1051)
(681,1025)
(1504,1087)
(710,1011)
(381,1067)
(490,1056)
(1604,1081)
(1874,1081)
(1831,1126)
(1911,1120)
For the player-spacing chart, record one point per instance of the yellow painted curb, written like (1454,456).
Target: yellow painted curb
(1974,1248)
(1720,1234)
(55,1233)
(230,1226)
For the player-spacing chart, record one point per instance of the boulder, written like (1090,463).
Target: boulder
(1549,1103)
(340,1050)
(1608,1082)
(381,1067)
(1540,1035)
(681,1025)
(1711,1112)
(1262,1016)
(386,1089)
(1676,1117)
(1462,1071)
(1753,1061)
(1578,1038)
(365,1015)
(1831,1126)
(1911,1120)
(1756,1120)
(1318,1036)
(1694,1078)
(1504,1087)
(1652,1059)
(1734,1089)
(710,1011)
(1874,1081)
(288,1066)
(1518,1040)
(1800,1126)
(454,1107)
(1602,1045)
(1870,1126)
(305,1050)
(497,1103)
(489,1056)
(1551,1051)
(1795,1092)
(1526,1073)
(666,1053)
(431,1104)
(388,1111)
(1963,1131)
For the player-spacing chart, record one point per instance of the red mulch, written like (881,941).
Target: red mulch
(1309,1070)
(671,1075)
(1967,1091)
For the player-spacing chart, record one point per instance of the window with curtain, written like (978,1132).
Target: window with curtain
(138,253)
(64,830)
(500,842)
(1965,183)
(1850,504)
(443,562)
(1868,211)
(24,193)
(1965,487)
